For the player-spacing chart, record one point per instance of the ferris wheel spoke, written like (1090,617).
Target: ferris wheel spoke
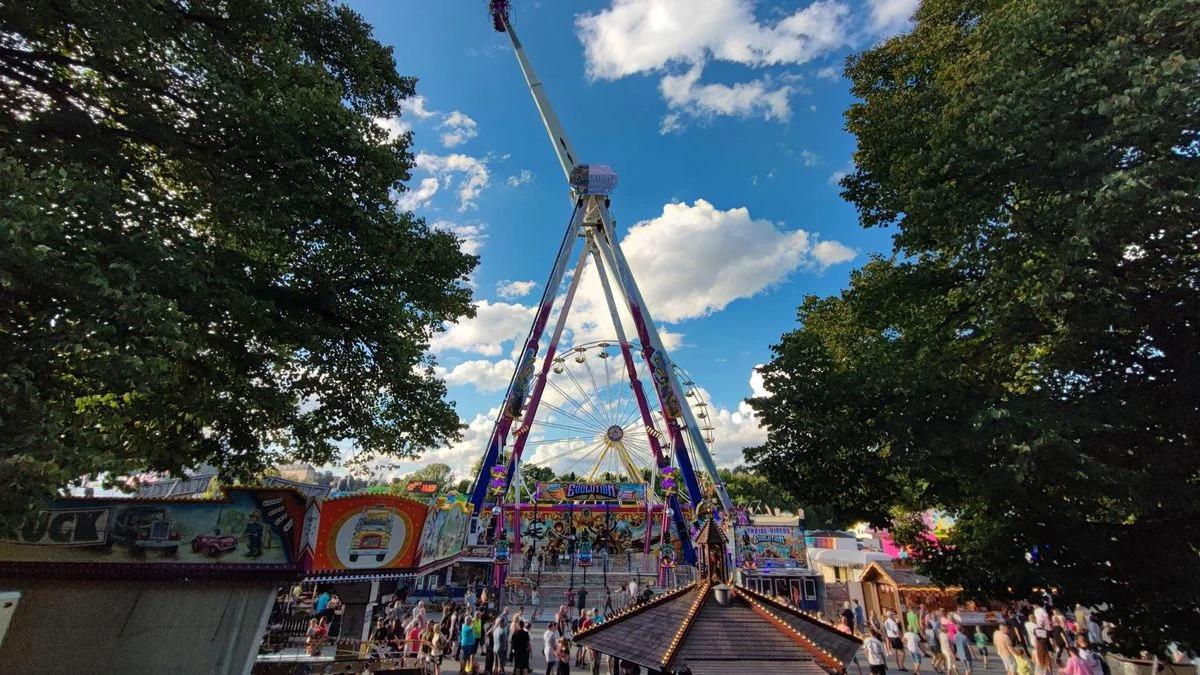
(591,420)
(603,410)
(559,439)
(589,453)
(582,430)
(572,451)
(632,412)
(588,420)
(608,387)
(586,397)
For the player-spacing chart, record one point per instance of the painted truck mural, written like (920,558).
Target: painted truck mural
(246,527)
(367,531)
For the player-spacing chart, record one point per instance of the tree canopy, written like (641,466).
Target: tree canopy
(1027,360)
(200,257)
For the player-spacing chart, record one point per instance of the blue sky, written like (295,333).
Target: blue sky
(724,122)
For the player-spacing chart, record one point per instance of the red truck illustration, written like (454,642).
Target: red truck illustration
(214,544)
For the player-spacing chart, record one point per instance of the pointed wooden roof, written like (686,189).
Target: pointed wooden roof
(688,626)
(902,576)
(710,533)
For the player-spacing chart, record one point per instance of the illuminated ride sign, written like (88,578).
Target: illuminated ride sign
(591,492)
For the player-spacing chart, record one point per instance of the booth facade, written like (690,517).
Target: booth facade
(895,586)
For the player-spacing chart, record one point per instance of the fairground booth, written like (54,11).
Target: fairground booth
(191,584)
(893,585)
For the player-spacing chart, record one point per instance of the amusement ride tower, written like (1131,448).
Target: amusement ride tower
(665,425)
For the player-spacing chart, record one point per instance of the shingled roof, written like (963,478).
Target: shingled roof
(688,626)
(900,575)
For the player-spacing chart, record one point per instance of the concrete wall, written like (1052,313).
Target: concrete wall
(134,627)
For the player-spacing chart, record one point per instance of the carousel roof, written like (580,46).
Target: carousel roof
(691,627)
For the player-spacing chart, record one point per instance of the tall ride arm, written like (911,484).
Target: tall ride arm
(558,136)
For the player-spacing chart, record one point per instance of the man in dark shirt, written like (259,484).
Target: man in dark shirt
(581,601)
(519,643)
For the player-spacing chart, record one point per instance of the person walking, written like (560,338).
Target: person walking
(535,598)
(912,620)
(847,614)
(876,656)
(562,656)
(981,645)
(962,650)
(521,651)
(466,642)
(1021,662)
(912,645)
(438,649)
(949,663)
(860,619)
(1075,664)
(499,643)
(891,628)
(1002,641)
(550,647)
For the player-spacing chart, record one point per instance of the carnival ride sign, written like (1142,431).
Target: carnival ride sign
(368,532)
(614,530)
(247,527)
(770,549)
(444,533)
(607,492)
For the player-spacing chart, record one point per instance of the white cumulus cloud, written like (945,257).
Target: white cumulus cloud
(515,289)
(416,197)
(684,94)
(394,127)
(473,236)
(485,376)
(645,36)
(457,128)
(635,36)
(832,252)
(494,325)
(417,106)
(888,17)
(729,255)
(470,172)
(525,177)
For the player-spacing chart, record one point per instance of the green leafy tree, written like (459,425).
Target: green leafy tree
(1028,360)
(537,474)
(200,257)
(433,473)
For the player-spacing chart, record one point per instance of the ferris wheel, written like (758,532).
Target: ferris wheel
(589,423)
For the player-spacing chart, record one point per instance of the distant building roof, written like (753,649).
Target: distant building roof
(842,534)
(750,633)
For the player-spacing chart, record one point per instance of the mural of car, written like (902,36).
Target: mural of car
(372,534)
(214,544)
(143,528)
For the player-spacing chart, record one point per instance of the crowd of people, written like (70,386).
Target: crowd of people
(482,639)
(1029,640)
